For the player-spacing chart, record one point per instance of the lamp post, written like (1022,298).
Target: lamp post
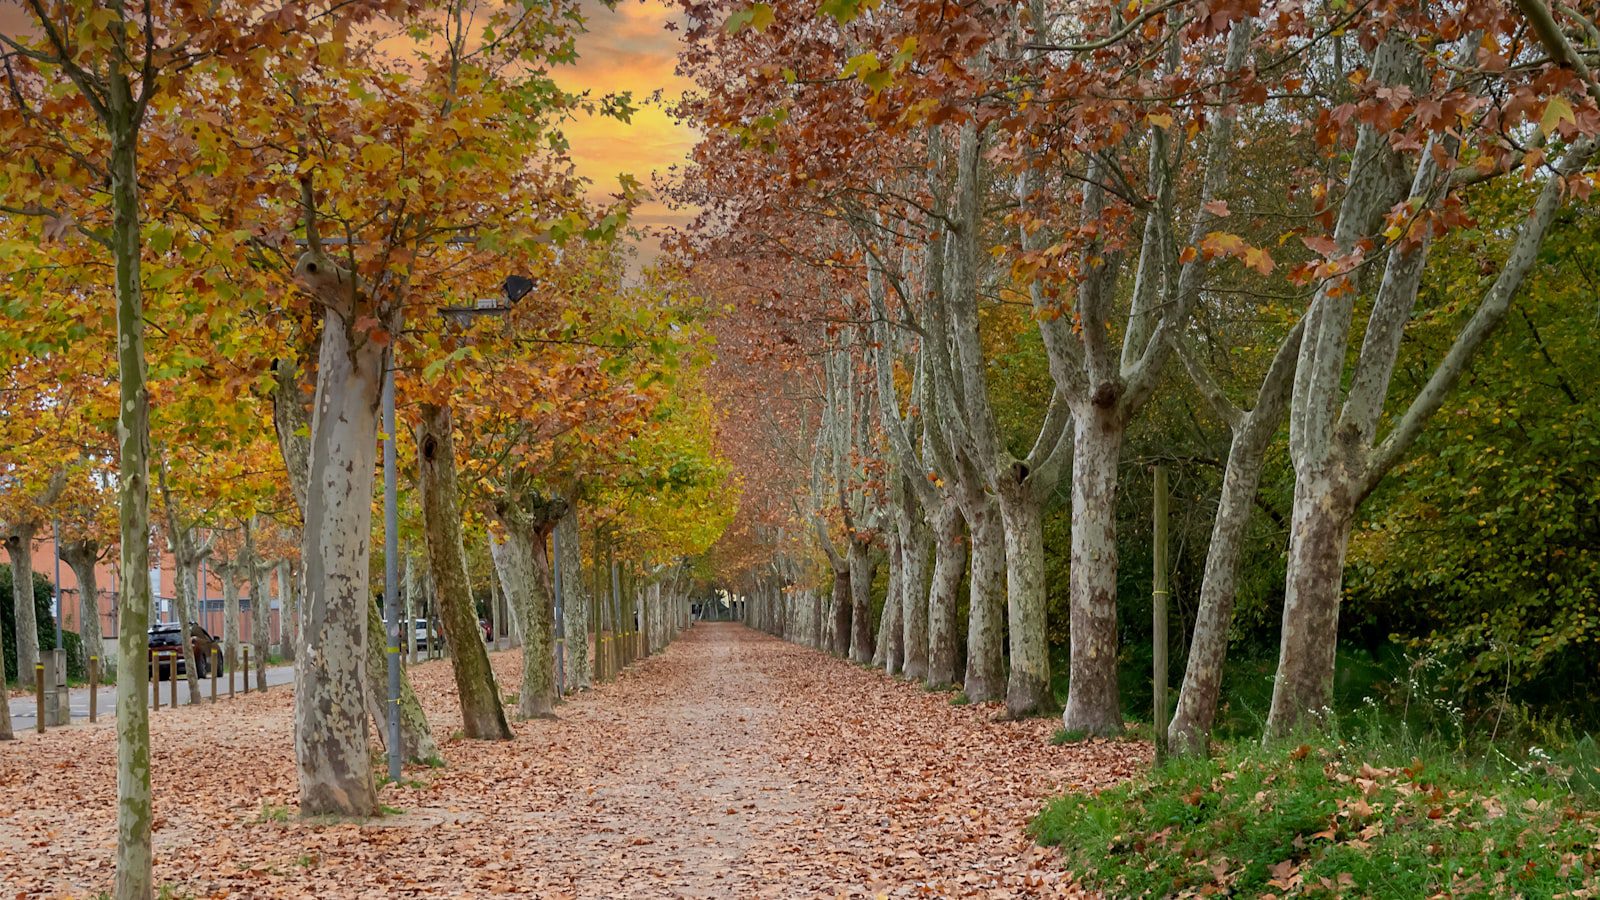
(515,288)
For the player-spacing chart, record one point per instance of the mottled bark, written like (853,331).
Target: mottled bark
(861,572)
(134,815)
(575,605)
(891,631)
(332,754)
(985,679)
(916,545)
(840,620)
(230,615)
(82,557)
(1028,680)
(949,565)
(286,614)
(1302,692)
(416,738)
(19,547)
(1093,700)
(521,577)
(260,619)
(188,579)
(482,717)
(1252,432)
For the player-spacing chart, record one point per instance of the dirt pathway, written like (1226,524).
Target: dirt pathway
(731,765)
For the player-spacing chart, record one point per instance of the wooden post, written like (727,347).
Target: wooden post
(246,649)
(155,680)
(216,660)
(38,687)
(231,670)
(94,684)
(1159,612)
(172,676)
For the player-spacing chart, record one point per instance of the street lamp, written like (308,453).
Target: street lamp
(514,288)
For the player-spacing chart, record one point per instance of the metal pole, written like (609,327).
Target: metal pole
(55,547)
(561,628)
(391,568)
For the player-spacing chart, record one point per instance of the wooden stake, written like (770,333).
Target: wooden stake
(246,649)
(155,680)
(172,677)
(1159,613)
(216,660)
(94,684)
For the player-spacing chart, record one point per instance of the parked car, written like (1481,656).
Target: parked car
(421,628)
(168,638)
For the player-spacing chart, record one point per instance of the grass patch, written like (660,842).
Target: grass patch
(1353,819)
(960,699)
(271,812)
(385,809)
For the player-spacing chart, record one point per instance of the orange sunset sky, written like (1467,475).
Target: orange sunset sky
(629,48)
(625,49)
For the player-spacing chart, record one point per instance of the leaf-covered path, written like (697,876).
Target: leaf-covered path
(731,765)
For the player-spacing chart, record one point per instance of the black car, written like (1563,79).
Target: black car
(168,639)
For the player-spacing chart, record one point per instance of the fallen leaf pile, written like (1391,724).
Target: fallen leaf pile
(730,765)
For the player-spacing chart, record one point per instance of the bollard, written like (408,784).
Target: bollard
(94,682)
(216,660)
(231,668)
(155,681)
(38,683)
(172,677)
(246,649)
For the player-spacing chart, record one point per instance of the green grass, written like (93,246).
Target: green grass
(271,812)
(960,699)
(384,809)
(1364,818)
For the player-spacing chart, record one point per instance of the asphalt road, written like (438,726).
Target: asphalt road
(24,710)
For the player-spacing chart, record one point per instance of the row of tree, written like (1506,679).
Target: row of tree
(1239,201)
(226,223)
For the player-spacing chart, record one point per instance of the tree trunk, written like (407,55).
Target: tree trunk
(1302,692)
(1028,684)
(1195,714)
(82,556)
(188,578)
(416,738)
(332,753)
(916,545)
(516,561)
(482,717)
(890,652)
(230,616)
(861,570)
(575,605)
(134,816)
(1093,702)
(985,678)
(19,547)
(260,616)
(841,612)
(286,614)
(949,564)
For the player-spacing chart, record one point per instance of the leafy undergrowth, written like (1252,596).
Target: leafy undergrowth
(1347,820)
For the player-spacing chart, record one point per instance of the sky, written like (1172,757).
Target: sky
(629,48)
(625,49)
